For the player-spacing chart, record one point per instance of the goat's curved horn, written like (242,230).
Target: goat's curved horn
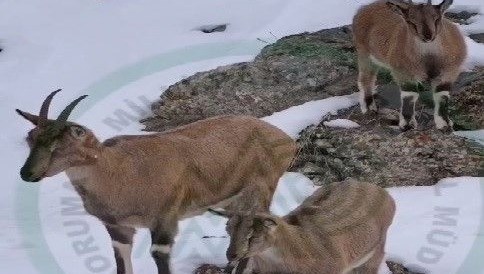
(44,109)
(67,111)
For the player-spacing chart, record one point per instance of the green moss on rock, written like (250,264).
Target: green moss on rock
(312,49)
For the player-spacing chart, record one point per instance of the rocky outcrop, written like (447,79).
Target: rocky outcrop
(376,152)
(461,17)
(313,66)
(379,152)
(295,70)
(468,102)
(478,37)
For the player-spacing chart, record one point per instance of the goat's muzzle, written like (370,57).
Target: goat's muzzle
(28,176)
(36,165)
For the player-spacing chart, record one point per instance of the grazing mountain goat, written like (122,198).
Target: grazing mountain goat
(418,45)
(152,181)
(340,228)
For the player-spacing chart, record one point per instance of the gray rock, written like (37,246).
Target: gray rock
(209,269)
(397,268)
(312,169)
(296,69)
(323,144)
(478,37)
(213,28)
(461,17)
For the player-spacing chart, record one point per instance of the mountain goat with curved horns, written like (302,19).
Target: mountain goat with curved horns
(152,181)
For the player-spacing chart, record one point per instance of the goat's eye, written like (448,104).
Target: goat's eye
(77,132)
(249,235)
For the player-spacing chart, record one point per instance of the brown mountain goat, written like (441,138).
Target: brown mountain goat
(152,181)
(418,44)
(342,227)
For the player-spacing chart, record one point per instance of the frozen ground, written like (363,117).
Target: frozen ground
(123,53)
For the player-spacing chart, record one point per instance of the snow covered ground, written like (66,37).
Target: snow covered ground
(124,54)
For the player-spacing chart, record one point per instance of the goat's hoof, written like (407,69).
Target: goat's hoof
(405,126)
(363,108)
(446,129)
(441,124)
(374,107)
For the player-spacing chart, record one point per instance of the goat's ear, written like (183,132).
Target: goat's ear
(219,212)
(78,132)
(398,7)
(34,119)
(445,5)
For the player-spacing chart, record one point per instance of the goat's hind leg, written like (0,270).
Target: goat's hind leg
(244,266)
(162,239)
(367,74)
(373,264)
(122,239)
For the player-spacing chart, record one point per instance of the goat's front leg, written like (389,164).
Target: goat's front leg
(243,266)
(162,236)
(122,239)
(408,99)
(367,74)
(441,106)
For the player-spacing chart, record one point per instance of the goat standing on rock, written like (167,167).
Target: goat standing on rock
(418,44)
(340,228)
(152,181)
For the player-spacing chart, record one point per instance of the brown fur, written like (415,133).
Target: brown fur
(184,171)
(339,228)
(152,181)
(416,43)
